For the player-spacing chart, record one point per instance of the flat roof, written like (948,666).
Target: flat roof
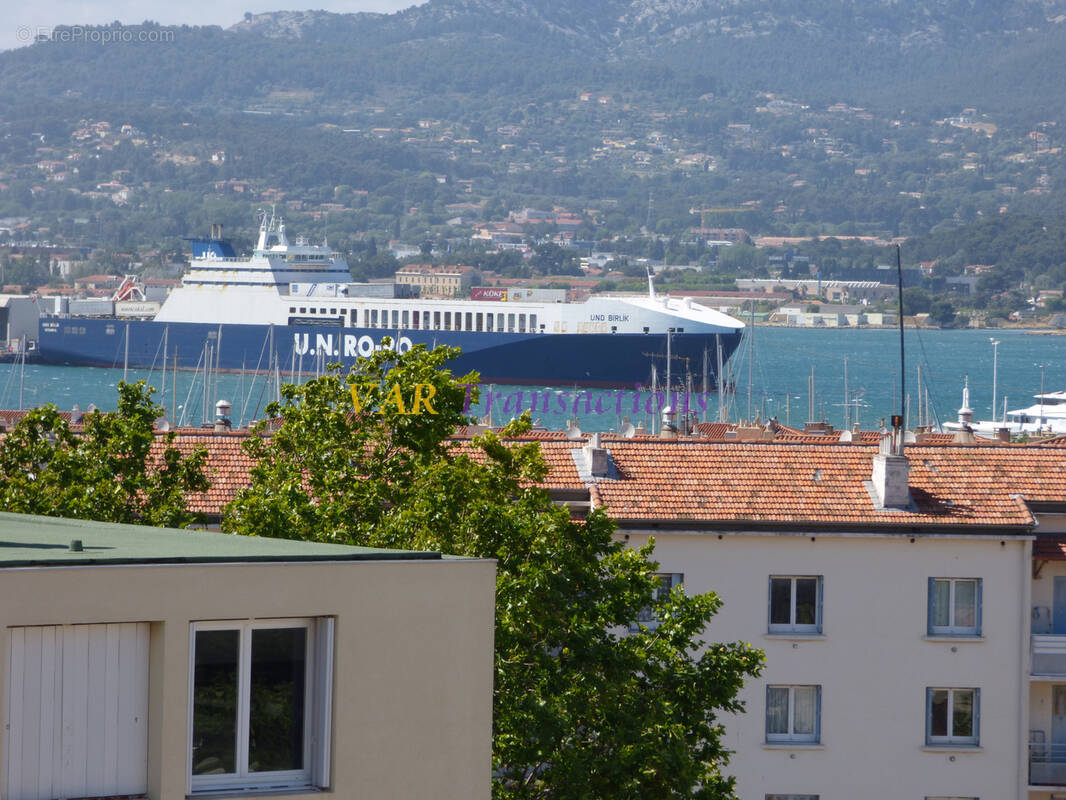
(27,540)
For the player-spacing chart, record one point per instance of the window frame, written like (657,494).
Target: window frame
(792,627)
(791,737)
(318,709)
(974,739)
(668,580)
(951,629)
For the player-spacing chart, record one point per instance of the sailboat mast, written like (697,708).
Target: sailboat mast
(163,391)
(751,354)
(721,378)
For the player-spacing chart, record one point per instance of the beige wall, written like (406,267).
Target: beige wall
(412,698)
(873,661)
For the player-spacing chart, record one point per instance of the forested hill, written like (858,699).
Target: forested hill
(642,118)
(1009,54)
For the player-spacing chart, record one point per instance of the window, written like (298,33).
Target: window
(793,714)
(373,318)
(646,617)
(405,319)
(954,606)
(795,604)
(260,705)
(533,322)
(480,322)
(952,716)
(510,323)
(447,320)
(436,320)
(470,320)
(521,323)
(488,322)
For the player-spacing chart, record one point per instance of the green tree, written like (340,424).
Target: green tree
(582,707)
(942,312)
(112,470)
(916,301)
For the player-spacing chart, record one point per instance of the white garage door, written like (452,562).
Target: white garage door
(76,712)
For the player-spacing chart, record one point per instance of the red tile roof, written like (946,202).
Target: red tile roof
(1049,548)
(761,484)
(824,484)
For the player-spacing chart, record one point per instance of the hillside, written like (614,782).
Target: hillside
(783,118)
(876,52)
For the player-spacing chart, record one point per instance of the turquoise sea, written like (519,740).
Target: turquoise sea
(779,362)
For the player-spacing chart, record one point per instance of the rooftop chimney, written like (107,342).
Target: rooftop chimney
(1003,435)
(669,429)
(222,420)
(891,470)
(596,457)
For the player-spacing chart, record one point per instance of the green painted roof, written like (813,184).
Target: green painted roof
(46,541)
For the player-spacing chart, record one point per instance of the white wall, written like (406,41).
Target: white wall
(873,661)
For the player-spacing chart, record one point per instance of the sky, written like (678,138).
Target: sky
(21,21)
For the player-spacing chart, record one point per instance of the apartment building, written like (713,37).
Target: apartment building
(167,664)
(437,280)
(892,596)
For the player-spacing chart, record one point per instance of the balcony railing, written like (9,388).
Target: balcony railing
(1047,764)
(1048,652)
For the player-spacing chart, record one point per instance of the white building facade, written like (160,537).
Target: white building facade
(896,666)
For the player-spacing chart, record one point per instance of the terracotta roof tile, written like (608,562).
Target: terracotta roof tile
(1050,548)
(696,481)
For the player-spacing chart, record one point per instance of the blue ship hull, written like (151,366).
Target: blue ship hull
(591,360)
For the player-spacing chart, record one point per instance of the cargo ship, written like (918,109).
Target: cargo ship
(292,307)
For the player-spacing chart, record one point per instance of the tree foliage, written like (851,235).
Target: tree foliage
(582,707)
(105,472)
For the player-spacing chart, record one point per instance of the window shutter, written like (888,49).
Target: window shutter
(322,721)
(767,714)
(932,606)
(818,613)
(769,601)
(818,715)
(977,617)
(977,717)
(929,697)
